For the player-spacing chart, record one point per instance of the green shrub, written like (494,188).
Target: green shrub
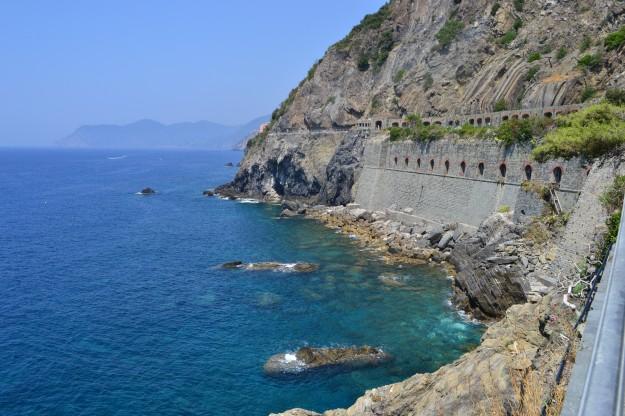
(615,96)
(449,32)
(375,20)
(507,38)
(615,40)
(504,209)
(518,5)
(587,94)
(591,132)
(585,43)
(518,24)
(500,105)
(417,131)
(468,130)
(613,222)
(534,56)
(363,62)
(522,131)
(383,48)
(612,199)
(531,74)
(562,52)
(546,49)
(399,76)
(591,62)
(495,9)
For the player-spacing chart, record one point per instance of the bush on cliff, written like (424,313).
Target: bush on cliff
(615,96)
(591,132)
(449,32)
(417,131)
(522,131)
(615,40)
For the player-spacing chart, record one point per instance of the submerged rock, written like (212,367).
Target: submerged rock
(147,191)
(300,267)
(308,358)
(208,192)
(229,164)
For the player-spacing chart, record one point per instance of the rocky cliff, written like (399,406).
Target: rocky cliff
(431,58)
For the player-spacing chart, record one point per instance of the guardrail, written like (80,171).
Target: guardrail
(597,384)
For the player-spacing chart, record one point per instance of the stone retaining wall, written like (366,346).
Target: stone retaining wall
(461,181)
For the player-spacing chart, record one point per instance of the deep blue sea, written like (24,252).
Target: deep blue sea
(112,303)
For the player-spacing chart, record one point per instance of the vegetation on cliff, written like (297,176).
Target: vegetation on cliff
(591,132)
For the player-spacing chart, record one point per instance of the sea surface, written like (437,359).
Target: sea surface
(113,303)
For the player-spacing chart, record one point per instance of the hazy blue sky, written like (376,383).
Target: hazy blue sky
(68,63)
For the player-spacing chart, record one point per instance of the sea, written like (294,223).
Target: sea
(113,303)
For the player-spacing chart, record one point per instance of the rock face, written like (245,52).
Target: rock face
(488,284)
(307,358)
(525,346)
(393,64)
(272,266)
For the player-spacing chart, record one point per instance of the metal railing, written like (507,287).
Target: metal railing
(597,384)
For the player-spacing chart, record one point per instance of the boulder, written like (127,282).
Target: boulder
(286,213)
(232,265)
(290,205)
(358,213)
(446,239)
(502,259)
(307,358)
(208,192)
(435,235)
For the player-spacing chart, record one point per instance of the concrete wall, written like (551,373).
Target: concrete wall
(401,174)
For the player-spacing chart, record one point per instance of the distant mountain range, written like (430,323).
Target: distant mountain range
(152,134)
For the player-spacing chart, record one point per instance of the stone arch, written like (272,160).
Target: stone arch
(503,170)
(480,168)
(548,114)
(515,117)
(557,174)
(395,124)
(526,116)
(432,164)
(447,166)
(438,122)
(463,167)
(471,121)
(419,163)
(426,123)
(378,125)
(479,121)
(406,160)
(450,123)
(488,121)
(395,159)
(404,124)
(505,118)
(457,122)
(528,172)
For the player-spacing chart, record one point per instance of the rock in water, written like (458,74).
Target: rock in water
(232,265)
(308,358)
(272,266)
(287,213)
(229,164)
(208,192)
(147,191)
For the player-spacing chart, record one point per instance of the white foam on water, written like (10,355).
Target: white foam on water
(249,201)
(117,157)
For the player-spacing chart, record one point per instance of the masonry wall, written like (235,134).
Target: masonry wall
(442,180)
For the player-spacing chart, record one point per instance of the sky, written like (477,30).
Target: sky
(70,63)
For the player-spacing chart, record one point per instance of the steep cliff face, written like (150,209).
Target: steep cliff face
(431,58)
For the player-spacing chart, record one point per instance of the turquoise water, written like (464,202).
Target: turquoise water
(112,303)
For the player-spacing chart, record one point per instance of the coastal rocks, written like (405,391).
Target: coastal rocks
(287,213)
(272,266)
(208,192)
(308,358)
(522,350)
(487,284)
(229,165)
(147,191)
